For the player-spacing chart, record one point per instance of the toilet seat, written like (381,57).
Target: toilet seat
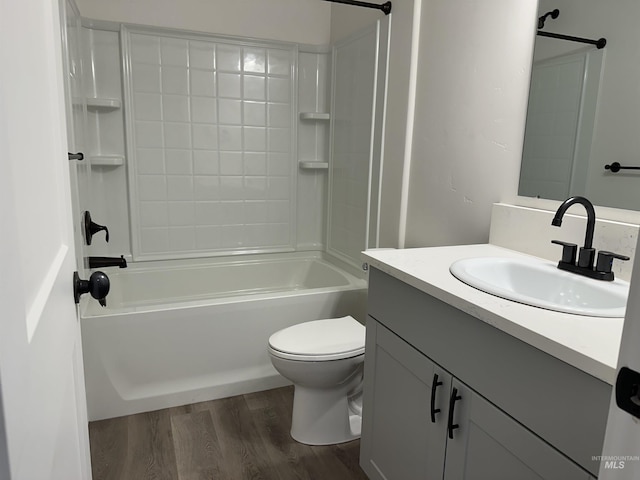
(319,340)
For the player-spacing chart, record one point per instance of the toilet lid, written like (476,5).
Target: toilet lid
(333,339)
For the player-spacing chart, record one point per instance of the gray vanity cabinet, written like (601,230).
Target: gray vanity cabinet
(488,444)
(522,414)
(399,440)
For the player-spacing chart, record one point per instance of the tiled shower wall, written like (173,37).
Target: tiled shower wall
(313,145)
(217,174)
(211,149)
(108,201)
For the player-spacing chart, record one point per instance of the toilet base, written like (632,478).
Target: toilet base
(323,417)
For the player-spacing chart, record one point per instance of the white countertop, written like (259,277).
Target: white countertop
(590,344)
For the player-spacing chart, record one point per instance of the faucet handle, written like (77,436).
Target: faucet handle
(605,260)
(91,228)
(569,251)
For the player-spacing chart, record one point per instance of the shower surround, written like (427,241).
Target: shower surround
(213,138)
(211,162)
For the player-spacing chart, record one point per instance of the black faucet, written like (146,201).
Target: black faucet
(586,255)
(101,262)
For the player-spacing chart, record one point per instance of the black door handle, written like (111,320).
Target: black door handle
(452,404)
(76,156)
(628,391)
(98,286)
(434,385)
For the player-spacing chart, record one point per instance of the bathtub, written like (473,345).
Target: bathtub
(180,332)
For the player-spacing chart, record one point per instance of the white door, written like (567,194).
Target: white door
(621,452)
(43,422)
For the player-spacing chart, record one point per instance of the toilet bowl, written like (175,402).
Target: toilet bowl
(324,361)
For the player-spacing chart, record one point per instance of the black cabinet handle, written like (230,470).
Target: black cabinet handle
(452,403)
(76,156)
(435,384)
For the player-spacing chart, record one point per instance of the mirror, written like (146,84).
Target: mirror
(584,105)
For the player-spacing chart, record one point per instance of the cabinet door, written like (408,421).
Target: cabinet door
(488,444)
(399,439)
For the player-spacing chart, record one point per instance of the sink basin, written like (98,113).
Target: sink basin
(541,284)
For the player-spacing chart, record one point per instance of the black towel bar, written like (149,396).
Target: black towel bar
(616,167)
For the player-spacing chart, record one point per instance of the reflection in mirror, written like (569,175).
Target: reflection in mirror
(584,105)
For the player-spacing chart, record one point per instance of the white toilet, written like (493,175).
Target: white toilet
(324,360)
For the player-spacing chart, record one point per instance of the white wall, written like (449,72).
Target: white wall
(473,79)
(302,21)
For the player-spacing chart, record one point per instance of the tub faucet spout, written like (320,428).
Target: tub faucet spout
(101,262)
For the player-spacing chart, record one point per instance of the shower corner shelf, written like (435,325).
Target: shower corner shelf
(314,116)
(103,103)
(313,165)
(106,160)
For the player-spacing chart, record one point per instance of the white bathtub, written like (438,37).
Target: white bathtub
(181,332)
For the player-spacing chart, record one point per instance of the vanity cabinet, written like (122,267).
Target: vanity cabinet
(406,426)
(520,413)
(399,440)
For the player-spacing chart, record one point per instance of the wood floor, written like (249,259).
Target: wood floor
(237,438)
